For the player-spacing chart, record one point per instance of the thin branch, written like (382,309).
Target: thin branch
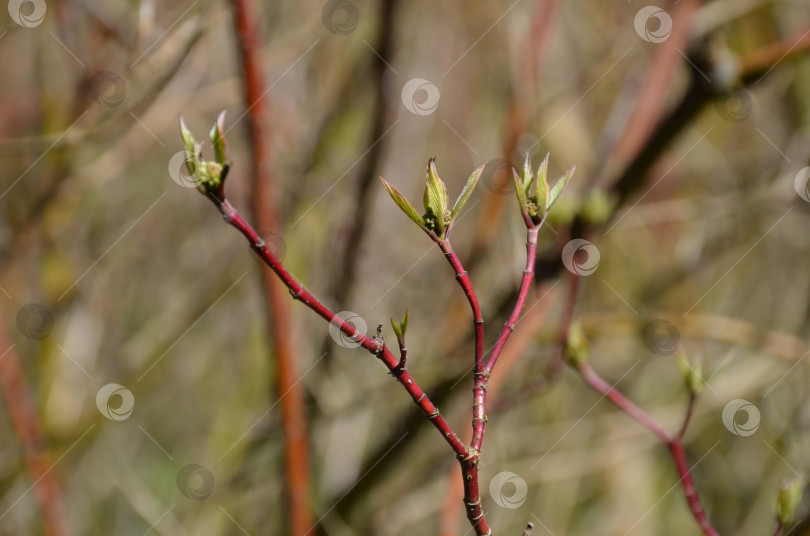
(279,314)
(373,346)
(674,444)
(24,418)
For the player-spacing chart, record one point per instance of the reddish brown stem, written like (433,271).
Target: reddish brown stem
(780,529)
(26,425)
(379,349)
(674,444)
(265,209)
(469,464)
(525,286)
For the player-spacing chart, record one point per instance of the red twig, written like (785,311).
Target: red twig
(26,425)
(483,370)
(673,443)
(780,529)
(265,209)
(379,349)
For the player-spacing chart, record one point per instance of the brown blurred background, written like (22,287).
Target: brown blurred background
(690,127)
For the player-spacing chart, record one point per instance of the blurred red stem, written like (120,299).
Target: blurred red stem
(24,418)
(674,444)
(265,210)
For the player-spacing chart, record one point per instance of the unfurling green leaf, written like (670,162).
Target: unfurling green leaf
(467,191)
(527,174)
(401,328)
(218,140)
(521,193)
(542,195)
(692,373)
(404,204)
(577,349)
(558,187)
(789,496)
(435,198)
(188,138)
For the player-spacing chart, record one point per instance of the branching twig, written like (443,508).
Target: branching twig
(673,443)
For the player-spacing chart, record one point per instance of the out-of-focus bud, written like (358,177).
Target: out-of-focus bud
(789,496)
(577,349)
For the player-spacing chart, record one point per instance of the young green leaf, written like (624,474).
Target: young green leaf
(557,189)
(403,326)
(542,183)
(520,191)
(467,191)
(188,137)
(527,173)
(435,198)
(404,204)
(397,329)
(218,139)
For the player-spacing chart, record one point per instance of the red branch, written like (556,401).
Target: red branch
(379,349)
(673,443)
(26,424)
(469,464)
(265,209)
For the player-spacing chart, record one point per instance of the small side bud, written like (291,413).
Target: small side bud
(188,138)
(577,349)
(789,496)
(692,372)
